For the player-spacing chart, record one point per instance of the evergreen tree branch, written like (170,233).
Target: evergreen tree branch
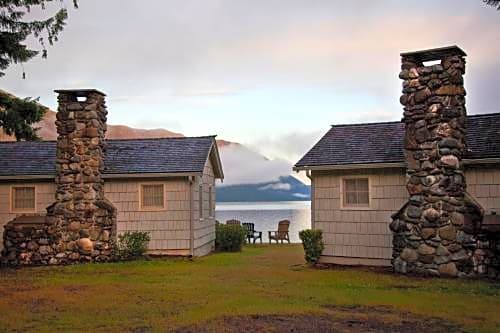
(17,116)
(494,3)
(14,30)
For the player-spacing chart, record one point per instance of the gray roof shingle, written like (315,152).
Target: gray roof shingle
(166,155)
(383,142)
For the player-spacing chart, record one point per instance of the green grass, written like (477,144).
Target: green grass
(171,293)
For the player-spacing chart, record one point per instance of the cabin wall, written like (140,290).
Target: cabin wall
(357,236)
(483,183)
(169,228)
(204,226)
(44,196)
(362,236)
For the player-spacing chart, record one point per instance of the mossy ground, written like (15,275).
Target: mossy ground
(164,294)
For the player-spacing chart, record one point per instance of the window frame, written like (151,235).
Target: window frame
(200,201)
(211,210)
(152,208)
(13,209)
(346,206)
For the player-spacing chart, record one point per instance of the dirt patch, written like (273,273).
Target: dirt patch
(75,289)
(337,267)
(334,319)
(38,305)
(403,287)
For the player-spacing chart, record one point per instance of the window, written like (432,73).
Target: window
(152,196)
(210,203)
(23,199)
(200,201)
(356,192)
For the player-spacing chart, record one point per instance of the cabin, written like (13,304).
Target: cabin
(358,181)
(164,186)
(421,194)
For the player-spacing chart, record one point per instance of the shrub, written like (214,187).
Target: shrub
(312,241)
(229,238)
(133,245)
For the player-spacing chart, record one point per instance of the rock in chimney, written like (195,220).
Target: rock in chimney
(434,230)
(83,217)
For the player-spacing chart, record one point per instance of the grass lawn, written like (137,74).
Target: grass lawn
(170,293)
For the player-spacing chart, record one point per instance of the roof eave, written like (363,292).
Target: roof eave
(472,161)
(107,176)
(351,166)
(149,175)
(218,172)
(467,161)
(27,177)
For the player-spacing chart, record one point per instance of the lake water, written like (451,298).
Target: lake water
(266,215)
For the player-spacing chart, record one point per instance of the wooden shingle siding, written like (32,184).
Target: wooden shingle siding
(362,236)
(350,232)
(168,227)
(484,185)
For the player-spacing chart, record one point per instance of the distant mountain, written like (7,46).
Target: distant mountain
(287,188)
(241,164)
(47,131)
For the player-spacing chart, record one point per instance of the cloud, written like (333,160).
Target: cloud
(290,146)
(300,195)
(180,62)
(244,166)
(276,187)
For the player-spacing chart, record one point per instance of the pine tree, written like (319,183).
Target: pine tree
(494,3)
(18,115)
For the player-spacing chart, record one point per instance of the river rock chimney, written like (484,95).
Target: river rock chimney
(434,231)
(84,218)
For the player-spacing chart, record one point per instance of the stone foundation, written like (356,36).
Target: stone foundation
(29,240)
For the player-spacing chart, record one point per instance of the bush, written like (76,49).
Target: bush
(229,238)
(312,241)
(133,245)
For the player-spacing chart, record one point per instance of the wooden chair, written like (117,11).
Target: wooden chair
(282,233)
(233,222)
(252,233)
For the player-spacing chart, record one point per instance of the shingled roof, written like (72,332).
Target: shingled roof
(134,156)
(383,143)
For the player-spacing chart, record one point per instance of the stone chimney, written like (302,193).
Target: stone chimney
(85,220)
(434,231)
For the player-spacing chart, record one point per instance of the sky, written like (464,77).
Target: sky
(273,75)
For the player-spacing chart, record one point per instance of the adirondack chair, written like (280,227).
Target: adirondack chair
(282,233)
(233,222)
(252,233)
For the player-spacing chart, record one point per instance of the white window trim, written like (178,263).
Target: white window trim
(152,209)
(343,206)
(211,210)
(22,211)
(200,201)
